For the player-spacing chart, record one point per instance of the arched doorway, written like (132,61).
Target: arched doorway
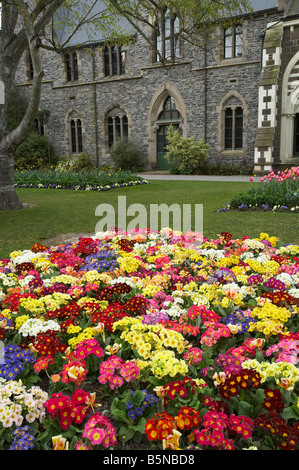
(289,142)
(168,116)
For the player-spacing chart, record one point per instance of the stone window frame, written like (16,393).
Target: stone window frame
(233,118)
(74,115)
(162,17)
(75,75)
(115,111)
(234,34)
(221,44)
(112,63)
(221,127)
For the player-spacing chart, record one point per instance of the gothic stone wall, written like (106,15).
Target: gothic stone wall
(200,91)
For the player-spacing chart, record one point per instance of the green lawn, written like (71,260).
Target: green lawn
(64,211)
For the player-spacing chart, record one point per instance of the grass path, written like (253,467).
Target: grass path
(55,212)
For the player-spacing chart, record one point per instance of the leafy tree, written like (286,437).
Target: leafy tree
(35,24)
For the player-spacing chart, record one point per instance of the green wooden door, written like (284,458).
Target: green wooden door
(162,162)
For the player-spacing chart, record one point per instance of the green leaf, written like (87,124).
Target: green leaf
(245,408)
(137,398)
(125,433)
(155,381)
(291,412)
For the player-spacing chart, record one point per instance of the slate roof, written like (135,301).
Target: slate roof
(263,5)
(294,9)
(85,35)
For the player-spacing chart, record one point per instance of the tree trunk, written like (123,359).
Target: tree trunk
(8,197)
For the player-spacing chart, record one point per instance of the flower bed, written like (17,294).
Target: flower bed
(151,340)
(278,192)
(83,180)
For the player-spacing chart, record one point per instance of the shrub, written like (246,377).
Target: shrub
(35,151)
(65,164)
(125,154)
(82,162)
(185,153)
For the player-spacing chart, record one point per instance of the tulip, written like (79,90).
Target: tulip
(60,443)
(75,372)
(285,383)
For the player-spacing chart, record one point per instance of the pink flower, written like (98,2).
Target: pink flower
(96,436)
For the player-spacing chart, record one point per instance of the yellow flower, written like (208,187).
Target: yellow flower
(60,443)
(21,320)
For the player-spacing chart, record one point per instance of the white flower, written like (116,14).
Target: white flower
(19,420)
(285,278)
(7,422)
(294,293)
(30,417)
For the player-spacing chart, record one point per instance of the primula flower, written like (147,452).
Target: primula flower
(160,426)
(99,431)
(43,363)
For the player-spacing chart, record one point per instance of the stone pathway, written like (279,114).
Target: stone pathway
(64,239)
(167,177)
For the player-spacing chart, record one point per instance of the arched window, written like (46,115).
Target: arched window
(233,42)
(167,38)
(233,112)
(76,134)
(169,112)
(233,134)
(114,61)
(71,66)
(117,125)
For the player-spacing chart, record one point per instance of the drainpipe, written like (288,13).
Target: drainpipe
(95,108)
(206,96)
(262,38)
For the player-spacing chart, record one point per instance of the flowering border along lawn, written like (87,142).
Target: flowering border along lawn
(151,341)
(82,180)
(276,192)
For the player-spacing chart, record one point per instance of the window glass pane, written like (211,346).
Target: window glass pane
(238,41)
(75,66)
(73,136)
(122,61)
(239,128)
(114,61)
(228,129)
(106,62)
(68,67)
(110,132)
(162,139)
(169,110)
(228,43)
(158,47)
(125,126)
(79,135)
(167,27)
(176,41)
(117,128)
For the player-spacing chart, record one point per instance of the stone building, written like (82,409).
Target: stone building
(241,96)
